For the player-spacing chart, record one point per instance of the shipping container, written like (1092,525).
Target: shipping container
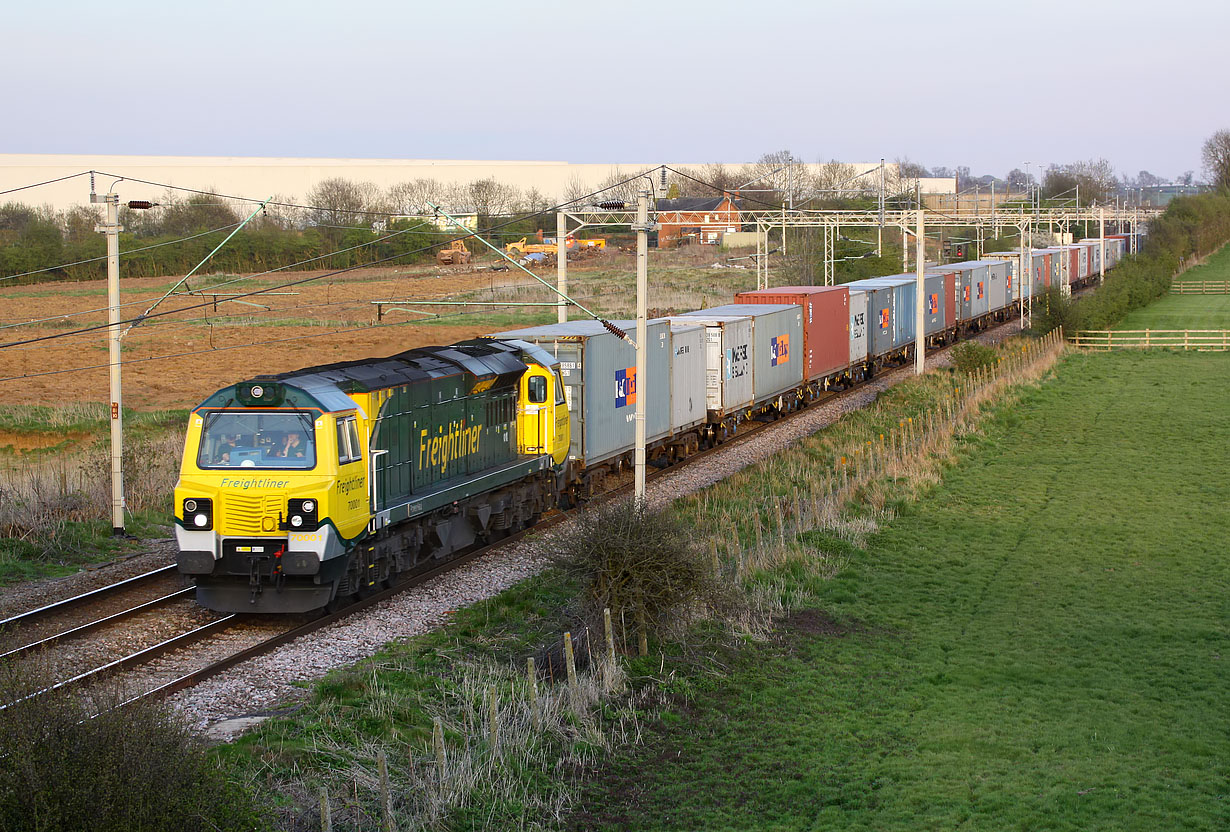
(880,333)
(935,303)
(972,290)
(1012,259)
(1095,255)
(728,362)
(600,383)
(1053,266)
(687,351)
(858,326)
(777,337)
(826,324)
(997,285)
(948,295)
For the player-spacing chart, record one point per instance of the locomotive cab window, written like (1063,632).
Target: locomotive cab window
(536,387)
(348,447)
(257,440)
(560,397)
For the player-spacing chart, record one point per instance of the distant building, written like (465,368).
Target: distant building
(704,220)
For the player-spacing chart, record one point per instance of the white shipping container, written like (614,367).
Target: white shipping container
(688,407)
(858,326)
(728,361)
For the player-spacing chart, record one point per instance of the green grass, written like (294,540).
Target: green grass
(1217,267)
(1188,311)
(1039,644)
(86,417)
(1181,312)
(76,544)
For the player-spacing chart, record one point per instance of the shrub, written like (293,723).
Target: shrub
(1053,309)
(969,356)
(641,563)
(69,760)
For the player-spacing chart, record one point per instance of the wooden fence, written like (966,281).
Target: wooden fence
(1205,340)
(1200,287)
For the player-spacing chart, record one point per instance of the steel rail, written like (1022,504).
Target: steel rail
(132,659)
(98,623)
(77,600)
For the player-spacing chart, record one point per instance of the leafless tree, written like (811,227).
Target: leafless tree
(1216,156)
(339,203)
(412,197)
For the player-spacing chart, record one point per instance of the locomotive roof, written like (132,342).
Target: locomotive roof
(327,386)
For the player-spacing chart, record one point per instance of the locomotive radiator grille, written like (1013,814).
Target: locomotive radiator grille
(244,515)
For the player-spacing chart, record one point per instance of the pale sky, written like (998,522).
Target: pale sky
(986,84)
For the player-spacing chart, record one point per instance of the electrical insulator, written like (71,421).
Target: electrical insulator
(141,204)
(614,330)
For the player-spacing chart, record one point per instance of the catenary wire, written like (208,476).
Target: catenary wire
(41,184)
(334,273)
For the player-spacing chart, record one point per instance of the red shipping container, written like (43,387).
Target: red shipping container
(826,323)
(950,296)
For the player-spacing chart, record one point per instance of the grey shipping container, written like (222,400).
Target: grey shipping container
(728,362)
(971,288)
(997,284)
(599,371)
(687,376)
(905,309)
(880,299)
(858,326)
(777,344)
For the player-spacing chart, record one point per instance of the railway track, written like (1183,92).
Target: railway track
(208,638)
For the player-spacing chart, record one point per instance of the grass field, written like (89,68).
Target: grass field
(1181,312)
(1188,311)
(1039,644)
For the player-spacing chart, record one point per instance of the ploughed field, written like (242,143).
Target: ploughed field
(1038,644)
(323,321)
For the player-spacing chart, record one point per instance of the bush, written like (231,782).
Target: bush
(969,356)
(642,564)
(69,762)
(1052,310)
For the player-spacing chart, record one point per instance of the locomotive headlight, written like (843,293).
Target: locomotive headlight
(301,514)
(199,512)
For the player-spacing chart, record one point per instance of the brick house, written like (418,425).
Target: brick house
(703,220)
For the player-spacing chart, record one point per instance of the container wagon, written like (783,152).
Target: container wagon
(826,330)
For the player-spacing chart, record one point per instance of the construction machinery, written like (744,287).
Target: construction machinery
(523,247)
(454,254)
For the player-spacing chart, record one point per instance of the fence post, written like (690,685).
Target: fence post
(386,802)
(533,680)
(437,736)
(609,631)
(326,813)
(570,665)
(493,722)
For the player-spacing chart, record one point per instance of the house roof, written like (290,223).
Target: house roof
(693,203)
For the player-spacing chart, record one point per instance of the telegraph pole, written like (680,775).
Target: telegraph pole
(561,264)
(1102,237)
(112,229)
(920,337)
(642,340)
(880,230)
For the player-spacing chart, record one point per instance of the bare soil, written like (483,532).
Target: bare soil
(329,320)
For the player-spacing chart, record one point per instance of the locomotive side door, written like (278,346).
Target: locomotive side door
(534,412)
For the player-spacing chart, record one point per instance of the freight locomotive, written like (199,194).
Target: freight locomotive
(303,489)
